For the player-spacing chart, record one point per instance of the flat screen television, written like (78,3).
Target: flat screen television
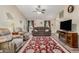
(66,25)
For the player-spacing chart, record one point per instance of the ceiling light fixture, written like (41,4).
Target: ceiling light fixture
(39,13)
(39,10)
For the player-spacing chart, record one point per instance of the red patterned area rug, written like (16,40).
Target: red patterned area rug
(43,44)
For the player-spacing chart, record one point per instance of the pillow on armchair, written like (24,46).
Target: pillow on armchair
(26,36)
(46,30)
(36,30)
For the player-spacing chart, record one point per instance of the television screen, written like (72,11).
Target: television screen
(66,25)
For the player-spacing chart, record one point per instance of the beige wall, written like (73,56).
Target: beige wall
(15,21)
(66,16)
(38,23)
(53,25)
(74,16)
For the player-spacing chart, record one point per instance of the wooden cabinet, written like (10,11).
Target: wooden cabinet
(72,40)
(69,38)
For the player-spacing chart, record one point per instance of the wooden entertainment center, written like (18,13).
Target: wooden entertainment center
(68,37)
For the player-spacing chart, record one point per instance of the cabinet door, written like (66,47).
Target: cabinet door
(69,39)
(72,40)
(75,40)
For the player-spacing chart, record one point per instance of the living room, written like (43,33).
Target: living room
(20,20)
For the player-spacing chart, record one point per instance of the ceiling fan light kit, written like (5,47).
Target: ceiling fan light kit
(39,10)
(39,13)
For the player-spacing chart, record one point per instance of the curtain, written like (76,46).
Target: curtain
(28,26)
(45,23)
(33,23)
(49,24)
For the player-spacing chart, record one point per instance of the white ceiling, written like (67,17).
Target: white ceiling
(50,13)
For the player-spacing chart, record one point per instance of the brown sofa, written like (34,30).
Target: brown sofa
(41,31)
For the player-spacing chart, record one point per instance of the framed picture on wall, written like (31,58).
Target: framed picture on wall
(61,14)
(9,15)
(70,8)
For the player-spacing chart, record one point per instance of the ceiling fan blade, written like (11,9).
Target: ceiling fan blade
(43,10)
(37,9)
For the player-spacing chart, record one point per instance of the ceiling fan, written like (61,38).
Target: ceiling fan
(39,10)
